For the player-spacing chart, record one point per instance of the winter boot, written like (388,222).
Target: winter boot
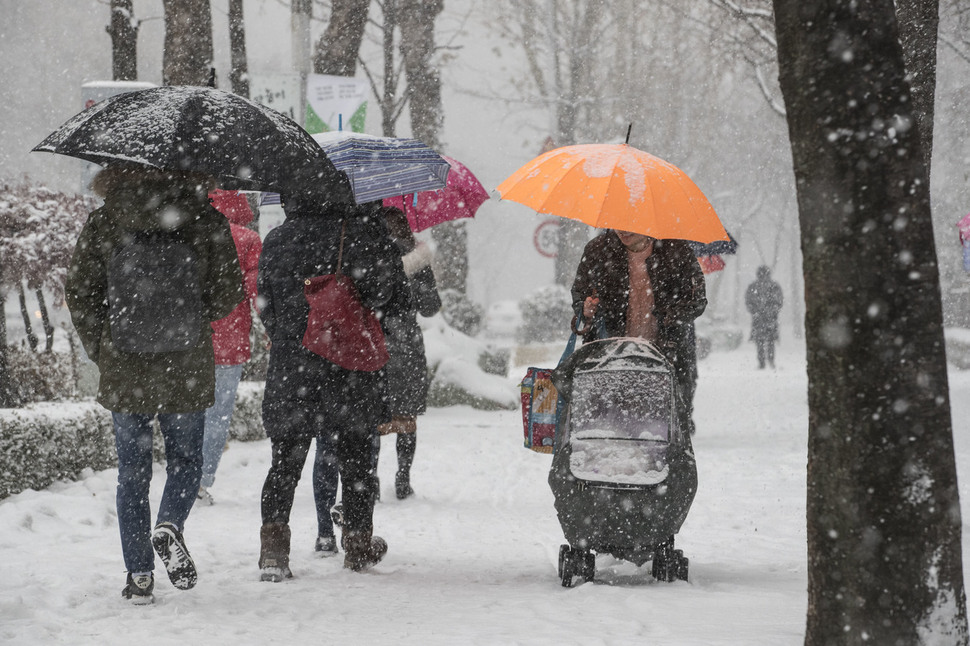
(274,552)
(139,588)
(362,550)
(170,546)
(406,443)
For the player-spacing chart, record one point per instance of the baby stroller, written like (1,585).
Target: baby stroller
(623,471)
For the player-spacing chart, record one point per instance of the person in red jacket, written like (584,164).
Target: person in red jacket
(230,336)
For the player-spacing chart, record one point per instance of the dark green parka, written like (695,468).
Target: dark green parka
(163,382)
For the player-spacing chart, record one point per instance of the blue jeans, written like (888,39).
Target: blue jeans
(217,418)
(325,475)
(182,433)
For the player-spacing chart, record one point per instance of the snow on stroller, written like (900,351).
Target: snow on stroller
(623,471)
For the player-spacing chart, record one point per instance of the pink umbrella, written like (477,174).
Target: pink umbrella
(460,198)
(964,225)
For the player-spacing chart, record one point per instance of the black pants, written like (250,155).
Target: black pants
(353,446)
(766,352)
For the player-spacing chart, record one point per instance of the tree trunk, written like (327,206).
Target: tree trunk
(338,48)
(884,551)
(389,100)
(25,315)
(187,56)
(124,41)
(918,23)
(46,320)
(239,74)
(7,399)
(417,18)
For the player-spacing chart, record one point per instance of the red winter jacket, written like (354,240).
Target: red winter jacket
(230,336)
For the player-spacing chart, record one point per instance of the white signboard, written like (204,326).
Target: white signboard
(278,90)
(95,92)
(335,103)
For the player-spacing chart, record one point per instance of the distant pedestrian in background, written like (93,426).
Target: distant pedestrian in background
(230,336)
(764,300)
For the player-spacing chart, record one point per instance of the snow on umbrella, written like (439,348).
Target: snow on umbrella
(380,167)
(460,198)
(615,186)
(242,144)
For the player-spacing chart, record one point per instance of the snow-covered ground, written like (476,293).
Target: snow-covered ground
(472,558)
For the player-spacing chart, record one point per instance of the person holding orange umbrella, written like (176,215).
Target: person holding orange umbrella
(630,284)
(640,277)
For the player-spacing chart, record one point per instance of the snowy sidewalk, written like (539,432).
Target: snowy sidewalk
(472,557)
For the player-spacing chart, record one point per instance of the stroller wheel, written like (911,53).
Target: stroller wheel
(567,565)
(588,566)
(682,565)
(664,566)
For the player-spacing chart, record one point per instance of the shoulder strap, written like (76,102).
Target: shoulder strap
(340,252)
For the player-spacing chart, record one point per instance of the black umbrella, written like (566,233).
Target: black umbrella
(242,144)
(715,248)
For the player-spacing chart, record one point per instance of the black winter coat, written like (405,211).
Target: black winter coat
(141,382)
(306,245)
(679,296)
(763,301)
(407,370)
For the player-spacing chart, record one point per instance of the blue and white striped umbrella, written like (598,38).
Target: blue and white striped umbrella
(380,167)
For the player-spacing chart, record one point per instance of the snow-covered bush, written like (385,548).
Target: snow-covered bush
(546,315)
(461,313)
(38,229)
(43,443)
(40,376)
(456,374)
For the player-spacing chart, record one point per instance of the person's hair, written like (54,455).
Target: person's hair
(397,222)
(764,271)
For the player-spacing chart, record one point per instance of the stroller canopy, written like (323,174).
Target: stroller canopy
(621,422)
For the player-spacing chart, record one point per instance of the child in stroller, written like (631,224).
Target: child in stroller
(623,471)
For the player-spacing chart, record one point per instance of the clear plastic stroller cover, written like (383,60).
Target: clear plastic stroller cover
(621,425)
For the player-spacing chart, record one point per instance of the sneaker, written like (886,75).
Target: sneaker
(138,589)
(326,546)
(168,542)
(337,514)
(204,497)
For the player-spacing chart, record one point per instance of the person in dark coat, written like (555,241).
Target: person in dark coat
(308,396)
(407,379)
(407,370)
(176,386)
(763,301)
(629,284)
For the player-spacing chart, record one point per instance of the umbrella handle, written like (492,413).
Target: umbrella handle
(574,326)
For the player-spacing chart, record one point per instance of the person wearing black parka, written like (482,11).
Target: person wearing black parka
(308,396)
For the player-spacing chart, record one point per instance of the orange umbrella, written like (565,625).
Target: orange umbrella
(615,186)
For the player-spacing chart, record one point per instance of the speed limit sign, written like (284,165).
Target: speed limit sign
(546,238)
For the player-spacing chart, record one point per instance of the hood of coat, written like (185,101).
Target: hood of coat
(146,199)
(233,205)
